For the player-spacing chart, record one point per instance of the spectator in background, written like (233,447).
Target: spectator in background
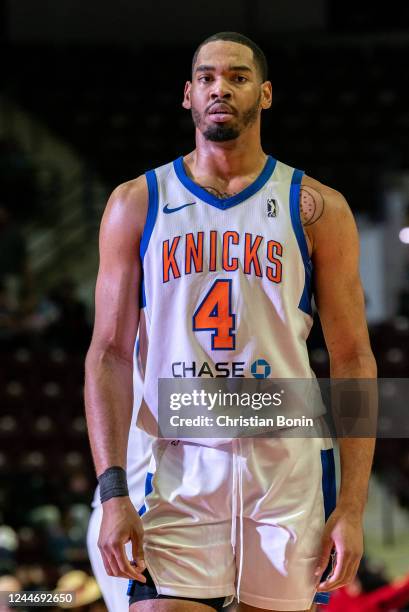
(71,330)
(18,178)
(84,588)
(371,591)
(38,317)
(9,323)
(8,548)
(403,301)
(10,584)
(15,273)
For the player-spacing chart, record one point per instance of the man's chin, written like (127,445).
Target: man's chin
(220,133)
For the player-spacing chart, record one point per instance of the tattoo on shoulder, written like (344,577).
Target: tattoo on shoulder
(311,205)
(219,194)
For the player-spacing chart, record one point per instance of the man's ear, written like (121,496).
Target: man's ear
(186,96)
(267,96)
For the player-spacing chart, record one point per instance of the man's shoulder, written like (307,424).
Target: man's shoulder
(324,210)
(324,190)
(131,191)
(324,197)
(127,205)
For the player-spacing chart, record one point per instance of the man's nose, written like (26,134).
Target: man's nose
(220,90)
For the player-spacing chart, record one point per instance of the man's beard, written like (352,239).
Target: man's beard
(221,132)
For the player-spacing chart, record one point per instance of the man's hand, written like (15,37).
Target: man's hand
(343,531)
(121,523)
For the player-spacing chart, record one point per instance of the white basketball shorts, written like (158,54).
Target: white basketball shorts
(245,518)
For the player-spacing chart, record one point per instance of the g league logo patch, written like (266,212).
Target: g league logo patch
(272,207)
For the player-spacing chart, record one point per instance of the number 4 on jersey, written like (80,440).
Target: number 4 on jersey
(214,314)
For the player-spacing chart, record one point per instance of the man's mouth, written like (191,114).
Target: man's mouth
(220,109)
(220,112)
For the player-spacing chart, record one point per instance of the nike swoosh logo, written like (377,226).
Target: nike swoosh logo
(168,210)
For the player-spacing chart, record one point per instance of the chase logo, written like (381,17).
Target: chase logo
(260,368)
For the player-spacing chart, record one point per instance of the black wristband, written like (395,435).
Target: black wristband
(112,483)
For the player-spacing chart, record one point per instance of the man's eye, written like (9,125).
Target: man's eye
(205,78)
(241,78)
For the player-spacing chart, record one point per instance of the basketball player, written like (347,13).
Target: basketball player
(220,244)
(139,476)
(138,460)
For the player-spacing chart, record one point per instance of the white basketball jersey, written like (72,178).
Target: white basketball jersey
(226,288)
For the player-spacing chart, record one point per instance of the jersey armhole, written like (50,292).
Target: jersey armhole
(152,211)
(305,301)
(153,204)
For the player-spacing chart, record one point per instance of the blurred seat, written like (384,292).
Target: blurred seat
(10,429)
(5,461)
(74,460)
(46,426)
(13,396)
(393,362)
(34,461)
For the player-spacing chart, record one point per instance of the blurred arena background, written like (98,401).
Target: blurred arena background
(90,96)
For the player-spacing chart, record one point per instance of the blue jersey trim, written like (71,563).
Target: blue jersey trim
(148,484)
(329,493)
(148,489)
(153,205)
(305,301)
(131,587)
(322,597)
(224,204)
(328,481)
(142,296)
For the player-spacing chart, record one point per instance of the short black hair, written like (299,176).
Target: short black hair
(258,55)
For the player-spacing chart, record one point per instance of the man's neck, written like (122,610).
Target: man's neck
(225,161)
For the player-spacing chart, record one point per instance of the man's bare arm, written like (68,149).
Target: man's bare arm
(340,301)
(109,362)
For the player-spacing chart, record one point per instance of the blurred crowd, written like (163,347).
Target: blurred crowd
(28,317)
(45,465)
